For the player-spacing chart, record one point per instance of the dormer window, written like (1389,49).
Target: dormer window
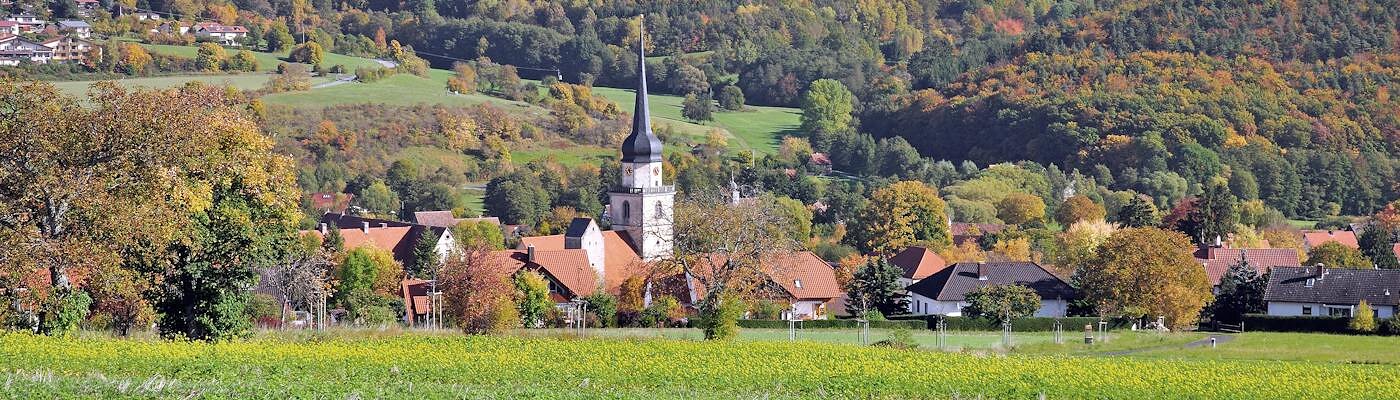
(1310,282)
(797,283)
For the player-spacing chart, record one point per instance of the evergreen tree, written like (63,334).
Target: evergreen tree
(1215,213)
(425,256)
(877,287)
(1377,243)
(1241,292)
(1138,213)
(334,241)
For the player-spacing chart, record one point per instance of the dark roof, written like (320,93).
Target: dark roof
(1334,286)
(642,145)
(578,227)
(955,282)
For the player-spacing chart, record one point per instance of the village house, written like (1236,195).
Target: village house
(1218,259)
(566,271)
(1316,237)
(398,238)
(337,203)
(1321,291)
(86,7)
(15,50)
(918,263)
(227,35)
(445,219)
(27,23)
(78,28)
(945,292)
(69,48)
(8,27)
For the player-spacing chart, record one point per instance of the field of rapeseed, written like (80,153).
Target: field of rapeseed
(422,366)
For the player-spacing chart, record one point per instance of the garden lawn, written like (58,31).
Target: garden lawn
(755,128)
(453,366)
(398,89)
(266,61)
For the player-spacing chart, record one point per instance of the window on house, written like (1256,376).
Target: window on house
(1307,310)
(795,282)
(1339,311)
(1310,282)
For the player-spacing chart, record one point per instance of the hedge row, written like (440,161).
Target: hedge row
(1275,323)
(830,323)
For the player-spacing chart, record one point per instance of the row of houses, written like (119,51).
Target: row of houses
(16,50)
(226,35)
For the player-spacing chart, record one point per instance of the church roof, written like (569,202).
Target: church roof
(642,145)
(578,227)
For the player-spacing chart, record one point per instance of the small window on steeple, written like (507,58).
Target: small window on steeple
(660,210)
(626,212)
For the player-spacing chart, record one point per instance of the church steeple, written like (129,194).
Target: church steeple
(641,146)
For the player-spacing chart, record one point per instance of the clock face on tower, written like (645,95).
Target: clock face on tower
(628,171)
(656,170)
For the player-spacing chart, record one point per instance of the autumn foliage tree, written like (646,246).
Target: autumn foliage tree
(1145,273)
(477,289)
(903,214)
(1078,208)
(1336,255)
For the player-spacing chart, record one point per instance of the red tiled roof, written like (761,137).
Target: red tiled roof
(397,240)
(331,202)
(803,275)
(8,23)
(1397,250)
(568,267)
(1218,260)
(620,260)
(918,262)
(1317,237)
(962,231)
(222,28)
(443,219)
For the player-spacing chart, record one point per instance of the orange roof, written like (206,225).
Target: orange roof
(383,238)
(918,262)
(620,261)
(1397,250)
(803,275)
(1316,237)
(568,267)
(1218,260)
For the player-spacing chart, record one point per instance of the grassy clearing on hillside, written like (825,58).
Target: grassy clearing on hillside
(245,81)
(266,61)
(440,366)
(398,89)
(756,128)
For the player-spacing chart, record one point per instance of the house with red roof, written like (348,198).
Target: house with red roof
(227,35)
(9,27)
(1316,237)
(1218,259)
(918,263)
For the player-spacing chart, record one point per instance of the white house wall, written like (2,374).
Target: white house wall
(1289,309)
(921,305)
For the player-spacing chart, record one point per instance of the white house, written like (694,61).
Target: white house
(945,292)
(77,28)
(15,50)
(27,22)
(227,35)
(1321,291)
(8,27)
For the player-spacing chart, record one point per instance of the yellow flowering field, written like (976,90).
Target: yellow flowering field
(422,366)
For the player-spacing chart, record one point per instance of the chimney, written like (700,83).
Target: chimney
(530,253)
(1321,270)
(323,229)
(364,226)
(383,224)
(981,270)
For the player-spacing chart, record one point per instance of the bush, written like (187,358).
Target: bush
(720,321)
(1390,326)
(1032,324)
(1364,321)
(900,338)
(1272,323)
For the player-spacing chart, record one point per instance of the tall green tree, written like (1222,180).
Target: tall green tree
(279,38)
(827,107)
(1145,273)
(1378,244)
(532,298)
(1216,213)
(425,255)
(900,215)
(698,107)
(1137,213)
(876,287)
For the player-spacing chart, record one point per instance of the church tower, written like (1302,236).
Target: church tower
(642,205)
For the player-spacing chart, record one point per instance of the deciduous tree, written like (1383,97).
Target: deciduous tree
(901,215)
(1336,255)
(827,107)
(1146,272)
(1002,303)
(1078,208)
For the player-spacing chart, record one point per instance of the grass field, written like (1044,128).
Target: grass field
(399,89)
(245,81)
(445,365)
(1348,349)
(266,61)
(756,128)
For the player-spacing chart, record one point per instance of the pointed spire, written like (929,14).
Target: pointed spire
(642,145)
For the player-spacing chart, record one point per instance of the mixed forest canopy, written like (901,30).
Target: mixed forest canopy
(1289,101)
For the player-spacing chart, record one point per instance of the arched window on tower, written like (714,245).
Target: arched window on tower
(660,210)
(626,212)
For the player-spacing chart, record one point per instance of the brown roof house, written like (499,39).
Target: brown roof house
(945,292)
(918,263)
(567,272)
